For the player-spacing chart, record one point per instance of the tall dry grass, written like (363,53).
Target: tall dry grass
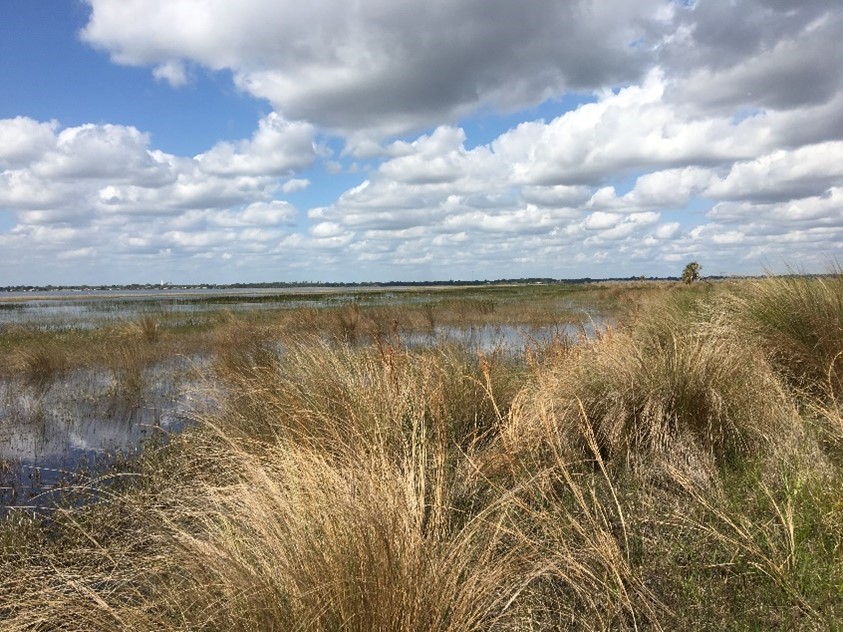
(671,382)
(40,364)
(798,321)
(334,396)
(658,476)
(300,540)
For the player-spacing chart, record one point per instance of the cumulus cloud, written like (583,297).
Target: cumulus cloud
(295,184)
(824,210)
(668,188)
(110,152)
(92,192)
(268,213)
(783,174)
(278,147)
(556,195)
(173,72)
(392,66)
(22,139)
(634,128)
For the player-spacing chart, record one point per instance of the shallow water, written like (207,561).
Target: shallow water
(487,338)
(75,310)
(57,439)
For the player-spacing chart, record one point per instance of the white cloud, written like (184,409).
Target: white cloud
(818,210)
(112,152)
(278,147)
(392,66)
(268,213)
(633,129)
(666,231)
(559,196)
(22,139)
(275,212)
(431,159)
(20,190)
(173,72)
(600,220)
(78,253)
(295,184)
(326,229)
(668,188)
(621,227)
(783,174)
(728,237)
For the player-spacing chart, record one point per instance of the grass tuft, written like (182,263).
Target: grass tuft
(798,321)
(664,384)
(39,365)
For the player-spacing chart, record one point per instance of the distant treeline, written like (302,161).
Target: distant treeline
(302,284)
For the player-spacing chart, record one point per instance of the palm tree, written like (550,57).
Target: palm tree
(691,272)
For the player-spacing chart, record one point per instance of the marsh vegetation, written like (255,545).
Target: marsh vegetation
(640,456)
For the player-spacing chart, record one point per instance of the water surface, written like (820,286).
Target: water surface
(58,438)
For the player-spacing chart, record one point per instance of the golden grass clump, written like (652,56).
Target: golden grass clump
(298,540)
(798,321)
(41,364)
(147,327)
(656,388)
(321,394)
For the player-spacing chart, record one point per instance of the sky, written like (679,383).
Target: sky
(237,141)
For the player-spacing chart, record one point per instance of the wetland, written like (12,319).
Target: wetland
(603,456)
(94,376)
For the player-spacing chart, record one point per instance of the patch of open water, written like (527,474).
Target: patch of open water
(74,310)
(57,439)
(487,338)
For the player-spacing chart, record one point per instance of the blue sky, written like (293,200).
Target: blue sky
(48,73)
(214,141)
